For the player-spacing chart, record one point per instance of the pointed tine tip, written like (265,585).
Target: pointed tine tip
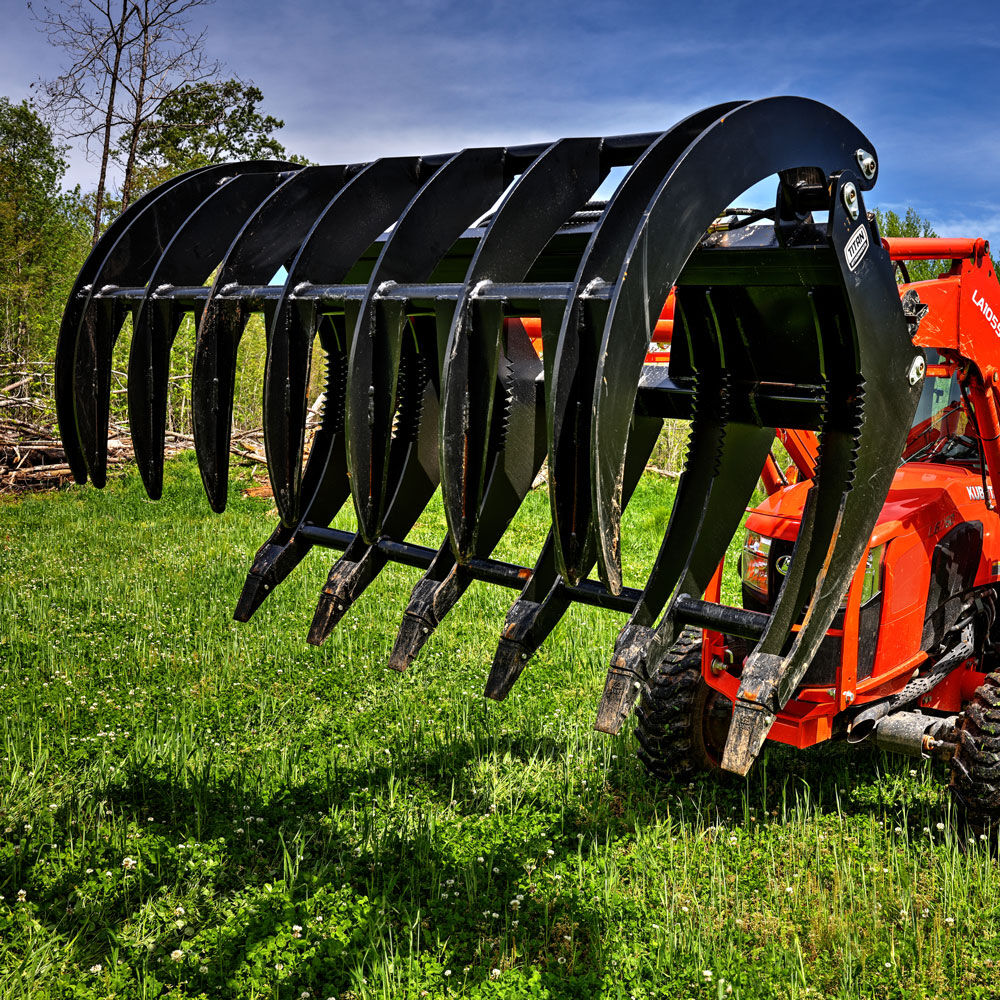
(621,688)
(413,633)
(329,610)
(511,658)
(255,589)
(151,473)
(217,501)
(747,732)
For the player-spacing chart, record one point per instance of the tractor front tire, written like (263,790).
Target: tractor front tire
(975,768)
(681,723)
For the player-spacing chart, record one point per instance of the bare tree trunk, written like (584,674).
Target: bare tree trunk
(118,35)
(139,107)
(118,76)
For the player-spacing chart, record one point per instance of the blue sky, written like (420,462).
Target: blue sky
(358,80)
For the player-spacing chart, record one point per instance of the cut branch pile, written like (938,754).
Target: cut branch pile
(31,453)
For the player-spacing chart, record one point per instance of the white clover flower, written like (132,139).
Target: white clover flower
(22,896)
(707,973)
(940,826)
(494,973)
(95,969)
(128,864)
(296,930)
(447,972)
(177,955)
(178,911)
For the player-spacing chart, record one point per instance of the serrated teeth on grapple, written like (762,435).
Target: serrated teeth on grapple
(480,315)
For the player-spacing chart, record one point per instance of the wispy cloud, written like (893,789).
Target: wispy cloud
(358,80)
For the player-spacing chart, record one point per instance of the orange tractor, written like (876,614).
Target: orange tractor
(481,315)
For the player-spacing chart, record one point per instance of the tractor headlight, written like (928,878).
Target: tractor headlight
(873,574)
(756,549)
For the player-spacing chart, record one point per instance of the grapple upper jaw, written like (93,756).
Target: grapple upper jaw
(422,308)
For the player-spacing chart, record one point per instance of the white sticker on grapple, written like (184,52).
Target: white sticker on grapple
(857,247)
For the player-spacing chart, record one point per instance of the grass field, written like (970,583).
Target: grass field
(192,807)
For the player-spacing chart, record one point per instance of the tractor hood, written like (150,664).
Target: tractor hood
(925,497)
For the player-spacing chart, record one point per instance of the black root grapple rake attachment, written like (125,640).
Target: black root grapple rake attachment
(422,278)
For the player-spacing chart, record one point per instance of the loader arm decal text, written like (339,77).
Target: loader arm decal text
(988,314)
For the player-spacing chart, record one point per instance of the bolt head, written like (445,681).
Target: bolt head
(717,666)
(849,194)
(917,368)
(867,163)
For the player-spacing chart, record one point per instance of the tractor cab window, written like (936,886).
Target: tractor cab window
(941,429)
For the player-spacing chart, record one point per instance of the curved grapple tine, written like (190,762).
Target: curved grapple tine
(721,469)
(188,259)
(266,241)
(574,368)
(324,481)
(368,205)
(543,601)
(129,262)
(870,409)
(559,182)
(69,328)
(450,202)
(518,457)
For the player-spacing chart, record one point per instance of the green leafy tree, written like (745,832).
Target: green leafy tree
(911,225)
(207,123)
(43,234)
